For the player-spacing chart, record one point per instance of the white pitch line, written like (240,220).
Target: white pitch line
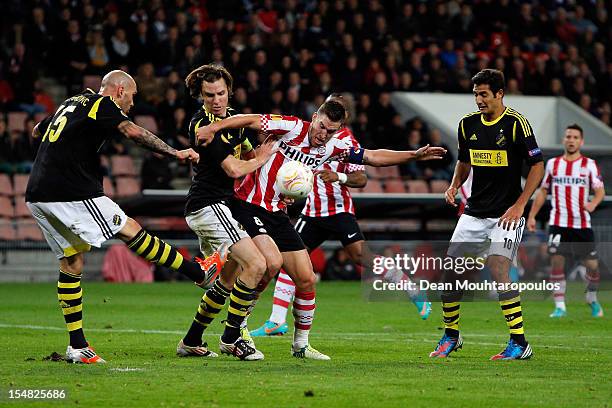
(391,337)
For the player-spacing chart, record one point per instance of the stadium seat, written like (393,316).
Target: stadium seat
(28,230)
(389,172)
(6,207)
(122,166)
(109,189)
(417,186)
(40,116)
(92,82)
(439,186)
(146,121)
(7,230)
(6,187)
(16,121)
(395,185)
(20,183)
(373,186)
(21,209)
(126,187)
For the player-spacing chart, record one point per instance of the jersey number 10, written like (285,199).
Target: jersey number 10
(55,129)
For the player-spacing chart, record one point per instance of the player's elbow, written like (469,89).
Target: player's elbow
(233,169)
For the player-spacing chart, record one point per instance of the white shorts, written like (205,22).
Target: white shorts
(74,226)
(214,225)
(480,237)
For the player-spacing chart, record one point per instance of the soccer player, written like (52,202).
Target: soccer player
(329,212)
(570,178)
(494,142)
(66,197)
(259,207)
(208,215)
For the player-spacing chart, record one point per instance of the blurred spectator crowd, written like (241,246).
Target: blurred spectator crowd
(286,56)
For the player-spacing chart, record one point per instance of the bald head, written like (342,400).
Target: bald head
(117,78)
(120,86)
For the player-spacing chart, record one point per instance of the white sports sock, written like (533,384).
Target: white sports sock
(303,313)
(591,296)
(560,304)
(284,290)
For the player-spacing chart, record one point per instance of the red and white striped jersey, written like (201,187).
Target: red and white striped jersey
(327,199)
(259,187)
(570,183)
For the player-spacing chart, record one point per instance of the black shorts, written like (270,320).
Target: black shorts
(315,230)
(257,220)
(572,242)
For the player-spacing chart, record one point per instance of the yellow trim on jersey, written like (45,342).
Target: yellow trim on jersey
(94,109)
(484,122)
(462,130)
(489,158)
(514,132)
(76,249)
(524,124)
(470,114)
(247,146)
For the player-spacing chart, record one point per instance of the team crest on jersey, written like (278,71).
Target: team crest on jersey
(500,140)
(321,150)
(276,117)
(116,220)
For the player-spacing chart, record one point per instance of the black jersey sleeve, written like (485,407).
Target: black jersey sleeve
(463,154)
(106,113)
(525,139)
(44,124)
(219,148)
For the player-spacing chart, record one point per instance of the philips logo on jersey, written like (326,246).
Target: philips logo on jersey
(489,158)
(570,181)
(297,155)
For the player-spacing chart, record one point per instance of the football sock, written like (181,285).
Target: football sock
(70,296)
(592,277)
(450,312)
(210,306)
(557,275)
(284,290)
(241,299)
(510,302)
(303,314)
(157,251)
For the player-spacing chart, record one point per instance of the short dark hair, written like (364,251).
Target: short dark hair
(492,77)
(338,97)
(577,127)
(333,110)
(208,73)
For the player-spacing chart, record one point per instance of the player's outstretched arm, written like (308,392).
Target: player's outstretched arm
(384,157)
(235,168)
(462,172)
(148,140)
(205,134)
(355,179)
(514,213)
(537,204)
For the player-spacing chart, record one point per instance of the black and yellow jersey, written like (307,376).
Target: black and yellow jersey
(496,151)
(67,165)
(210,183)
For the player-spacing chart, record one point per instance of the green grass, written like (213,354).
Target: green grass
(379,354)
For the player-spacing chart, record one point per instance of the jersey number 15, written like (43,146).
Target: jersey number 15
(55,129)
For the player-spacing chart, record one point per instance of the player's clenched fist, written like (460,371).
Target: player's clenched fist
(205,134)
(327,176)
(188,154)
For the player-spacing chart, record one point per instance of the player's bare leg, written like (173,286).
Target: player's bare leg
(298,266)
(70,296)
(510,302)
(557,275)
(592,275)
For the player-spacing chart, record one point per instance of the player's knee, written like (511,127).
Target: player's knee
(273,265)
(256,266)
(129,230)
(72,264)
(306,282)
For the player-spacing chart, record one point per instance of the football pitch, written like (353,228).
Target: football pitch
(379,354)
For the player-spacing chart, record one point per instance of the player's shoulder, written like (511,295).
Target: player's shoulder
(472,116)
(201,118)
(513,113)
